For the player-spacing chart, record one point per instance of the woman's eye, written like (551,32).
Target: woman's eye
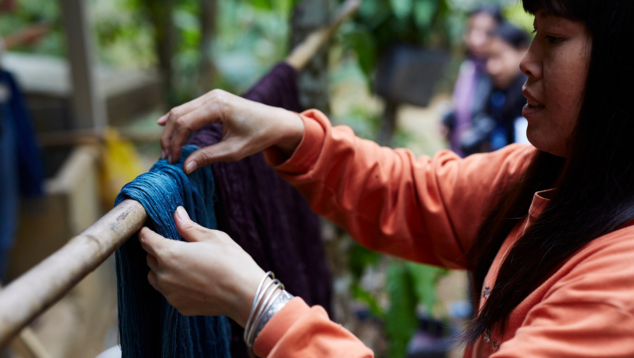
(552,39)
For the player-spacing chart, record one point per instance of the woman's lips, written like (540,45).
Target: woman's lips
(530,110)
(533,106)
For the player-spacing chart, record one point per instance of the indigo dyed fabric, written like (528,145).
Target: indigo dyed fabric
(264,214)
(148,325)
(9,189)
(21,169)
(29,160)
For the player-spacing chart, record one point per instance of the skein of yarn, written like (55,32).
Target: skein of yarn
(148,325)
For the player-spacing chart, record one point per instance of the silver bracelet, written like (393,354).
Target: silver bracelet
(269,299)
(282,299)
(256,300)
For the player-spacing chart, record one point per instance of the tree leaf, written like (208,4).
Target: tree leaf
(366,297)
(262,4)
(362,42)
(401,8)
(359,258)
(424,13)
(401,320)
(425,280)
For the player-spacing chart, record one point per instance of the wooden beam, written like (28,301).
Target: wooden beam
(32,293)
(89,106)
(308,48)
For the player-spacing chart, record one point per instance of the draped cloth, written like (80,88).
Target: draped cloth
(148,325)
(264,214)
(21,168)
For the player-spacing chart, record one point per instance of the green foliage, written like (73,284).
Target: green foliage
(360,258)
(401,320)
(408,285)
(425,278)
(30,12)
(370,300)
(380,23)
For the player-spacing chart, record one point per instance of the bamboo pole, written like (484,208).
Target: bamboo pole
(39,288)
(27,345)
(306,50)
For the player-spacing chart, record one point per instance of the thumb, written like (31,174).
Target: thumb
(224,151)
(188,229)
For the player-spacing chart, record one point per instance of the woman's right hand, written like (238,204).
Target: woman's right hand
(247,128)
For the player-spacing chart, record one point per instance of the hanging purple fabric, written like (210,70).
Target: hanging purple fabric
(264,214)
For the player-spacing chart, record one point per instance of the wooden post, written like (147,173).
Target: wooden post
(309,16)
(89,107)
(206,70)
(32,293)
(388,123)
(306,50)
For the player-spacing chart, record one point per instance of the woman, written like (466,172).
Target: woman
(494,127)
(473,84)
(546,232)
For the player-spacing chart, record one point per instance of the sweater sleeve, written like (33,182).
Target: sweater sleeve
(301,331)
(425,209)
(588,312)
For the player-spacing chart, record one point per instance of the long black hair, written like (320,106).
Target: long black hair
(594,185)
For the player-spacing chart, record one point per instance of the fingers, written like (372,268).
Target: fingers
(153,280)
(210,112)
(184,108)
(228,150)
(189,117)
(189,230)
(152,262)
(152,242)
(161,121)
(169,120)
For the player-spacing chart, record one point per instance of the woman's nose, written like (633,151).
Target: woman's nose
(530,64)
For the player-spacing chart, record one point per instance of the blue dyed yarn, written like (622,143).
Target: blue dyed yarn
(148,325)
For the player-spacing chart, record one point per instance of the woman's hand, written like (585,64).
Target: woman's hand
(209,275)
(248,127)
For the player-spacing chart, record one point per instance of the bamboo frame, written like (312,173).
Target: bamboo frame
(32,293)
(39,288)
(302,53)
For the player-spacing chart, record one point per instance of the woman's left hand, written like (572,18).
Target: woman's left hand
(208,275)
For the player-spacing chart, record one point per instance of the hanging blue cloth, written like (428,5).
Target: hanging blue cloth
(148,325)
(21,169)
(29,159)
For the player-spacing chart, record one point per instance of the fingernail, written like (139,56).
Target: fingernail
(169,158)
(161,119)
(162,153)
(182,213)
(191,166)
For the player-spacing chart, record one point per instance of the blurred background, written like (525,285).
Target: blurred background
(84,81)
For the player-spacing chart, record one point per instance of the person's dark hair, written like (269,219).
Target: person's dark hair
(489,9)
(512,35)
(594,186)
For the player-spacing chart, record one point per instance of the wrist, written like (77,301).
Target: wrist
(244,300)
(270,298)
(292,132)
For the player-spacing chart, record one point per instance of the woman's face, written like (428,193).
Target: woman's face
(502,61)
(477,34)
(556,64)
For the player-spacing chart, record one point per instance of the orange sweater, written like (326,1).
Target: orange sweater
(429,210)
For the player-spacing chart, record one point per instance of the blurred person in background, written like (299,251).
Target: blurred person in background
(473,84)
(501,123)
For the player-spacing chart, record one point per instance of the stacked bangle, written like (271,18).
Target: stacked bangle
(269,299)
